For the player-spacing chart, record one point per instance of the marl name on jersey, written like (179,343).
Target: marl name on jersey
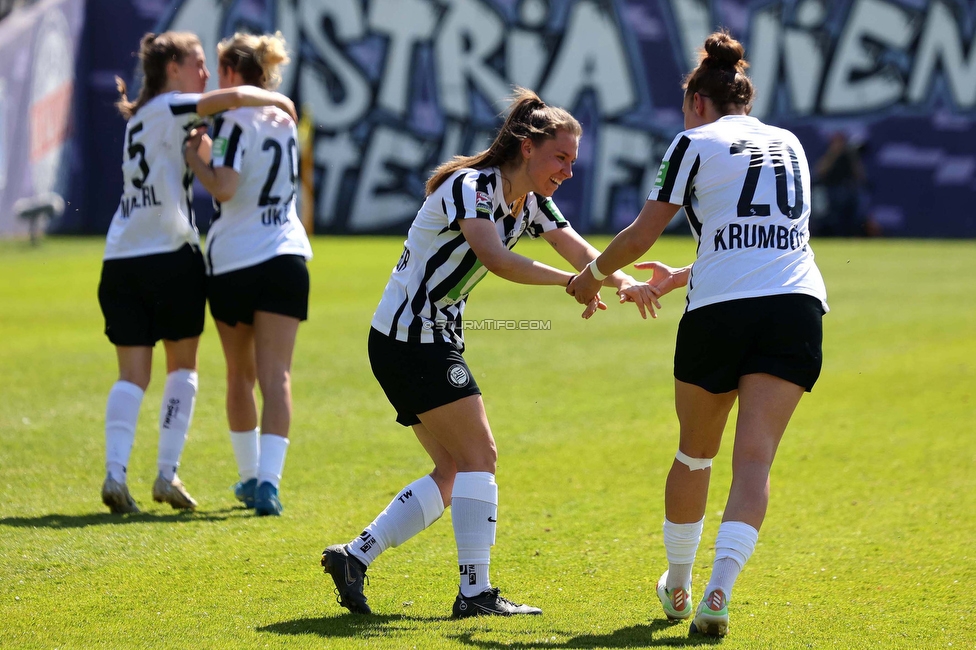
(130,202)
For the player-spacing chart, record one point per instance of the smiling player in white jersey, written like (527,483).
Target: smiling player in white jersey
(256,252)
(476,209)
(752,328)
(152,282)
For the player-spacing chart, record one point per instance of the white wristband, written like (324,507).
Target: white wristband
(596,271)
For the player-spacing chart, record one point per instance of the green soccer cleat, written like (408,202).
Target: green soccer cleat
(712,617)
(676,602)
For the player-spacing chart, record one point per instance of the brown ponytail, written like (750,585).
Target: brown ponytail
(528,117)
(721,73)
(155,53)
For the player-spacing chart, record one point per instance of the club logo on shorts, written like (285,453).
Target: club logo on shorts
(458,376)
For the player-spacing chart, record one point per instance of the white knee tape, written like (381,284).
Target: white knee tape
(693,463)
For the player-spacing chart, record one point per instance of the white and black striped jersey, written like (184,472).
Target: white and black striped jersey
(424,299)
(260,221)
(745,187)
(155,213)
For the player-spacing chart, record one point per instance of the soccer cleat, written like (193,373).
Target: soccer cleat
(712,617)
(266,500)
(676,602)
(172,492)
(348,574)
(116,496)
(244,491)
(489,603)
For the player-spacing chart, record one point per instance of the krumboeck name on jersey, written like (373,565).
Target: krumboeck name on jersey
(738,236)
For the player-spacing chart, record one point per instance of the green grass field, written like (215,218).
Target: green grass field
(869,541)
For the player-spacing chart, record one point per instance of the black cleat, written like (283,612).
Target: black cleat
(349,574)
(489,603)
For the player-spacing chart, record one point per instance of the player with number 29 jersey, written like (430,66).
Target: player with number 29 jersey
(260,221)
(745,187)
(155,213)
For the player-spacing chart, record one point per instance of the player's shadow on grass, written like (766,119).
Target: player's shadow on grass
(356,626)
(348,625)
(108,519)
(635,636)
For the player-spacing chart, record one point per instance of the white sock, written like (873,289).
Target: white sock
(474,510)
(271,461)
(734,544)
(175,416)
(121,416)
(416,507)
(246,452)
(681,544)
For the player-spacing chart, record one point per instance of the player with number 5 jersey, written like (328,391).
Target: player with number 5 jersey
(752,330)
(256,252)
(152,285)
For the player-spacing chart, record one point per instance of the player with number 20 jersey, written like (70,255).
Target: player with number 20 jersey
(745,187)
(752,331)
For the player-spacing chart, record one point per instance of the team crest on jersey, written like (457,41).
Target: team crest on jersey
(219,146)
(661,174)
(458,376)
(482,202)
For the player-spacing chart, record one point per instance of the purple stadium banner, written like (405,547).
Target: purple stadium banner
(396,86)
(39,48)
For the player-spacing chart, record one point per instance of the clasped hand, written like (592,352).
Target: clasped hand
(645,295)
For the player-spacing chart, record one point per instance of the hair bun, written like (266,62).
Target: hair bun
(723,51)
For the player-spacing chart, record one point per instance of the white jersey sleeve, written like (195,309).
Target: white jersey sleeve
(229,142)
(470,197)
(677,172)
(544,216)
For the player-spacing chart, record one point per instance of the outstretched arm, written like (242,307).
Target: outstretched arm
(665,278)
(579,252)
(217,101)
(482,236)
(629,244)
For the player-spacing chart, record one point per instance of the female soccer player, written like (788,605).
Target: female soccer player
(256,252)
(476,209)
(752,327)
(152,282)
